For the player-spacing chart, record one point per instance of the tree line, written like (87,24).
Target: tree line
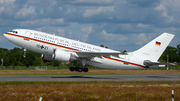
(13,57)
(173,54)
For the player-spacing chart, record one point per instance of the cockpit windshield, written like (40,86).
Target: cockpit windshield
(14,32)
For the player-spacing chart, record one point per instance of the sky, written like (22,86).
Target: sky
(117,24)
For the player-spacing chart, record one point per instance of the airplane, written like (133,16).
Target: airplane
(56,48)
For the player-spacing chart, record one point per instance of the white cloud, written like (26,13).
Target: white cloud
(86,32)
(42,11)
(70,10)
(93,1)
(140,25)
(112,37)
(60,8)
(73,27)
(40,29)
(42,22)
(7,1)
(110,17)
(94,11)
(26,11)
(162,7)
(141,39)
(8,7)
(58,21)
(1,9)
(169,9)
(118,21)
(61,32)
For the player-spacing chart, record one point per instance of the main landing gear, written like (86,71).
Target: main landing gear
(80,69)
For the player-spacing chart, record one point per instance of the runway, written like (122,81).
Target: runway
(144,77)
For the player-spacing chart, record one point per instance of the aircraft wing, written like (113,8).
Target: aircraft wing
(148,63)
(85,54)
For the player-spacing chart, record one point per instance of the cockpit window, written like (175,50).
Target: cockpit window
(14,32)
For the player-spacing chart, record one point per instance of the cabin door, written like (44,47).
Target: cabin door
(126,59)
(28,34)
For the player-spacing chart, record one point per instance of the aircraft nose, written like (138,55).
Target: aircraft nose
(5,35)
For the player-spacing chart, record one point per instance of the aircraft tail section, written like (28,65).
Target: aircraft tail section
(154,49)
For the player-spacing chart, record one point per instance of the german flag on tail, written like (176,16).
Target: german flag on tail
(158,43)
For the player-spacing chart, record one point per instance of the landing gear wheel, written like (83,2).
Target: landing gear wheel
(71,68)
(85,69)
(80,69)
(24,56)
(77,69)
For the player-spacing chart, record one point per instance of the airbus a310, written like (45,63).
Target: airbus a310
(56,48)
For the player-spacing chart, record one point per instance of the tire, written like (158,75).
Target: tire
(77,69)
(85,69)
(80,69)
(71,68)
(24,56)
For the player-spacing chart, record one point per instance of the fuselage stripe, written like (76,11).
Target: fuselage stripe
(124,62)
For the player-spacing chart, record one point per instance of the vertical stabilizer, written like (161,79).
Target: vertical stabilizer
(154,49)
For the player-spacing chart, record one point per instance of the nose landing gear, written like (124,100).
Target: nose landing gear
(24,55)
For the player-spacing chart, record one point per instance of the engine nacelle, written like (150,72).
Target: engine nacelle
(46,58)
(63,56)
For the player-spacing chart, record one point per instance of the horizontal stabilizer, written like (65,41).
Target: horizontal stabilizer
(148,63)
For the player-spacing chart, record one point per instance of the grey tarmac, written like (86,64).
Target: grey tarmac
(141,77)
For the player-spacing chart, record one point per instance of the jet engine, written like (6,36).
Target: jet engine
(63,56)
(46,58)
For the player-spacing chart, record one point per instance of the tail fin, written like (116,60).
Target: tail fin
(154,49)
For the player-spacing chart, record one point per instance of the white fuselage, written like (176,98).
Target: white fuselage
(44,43)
